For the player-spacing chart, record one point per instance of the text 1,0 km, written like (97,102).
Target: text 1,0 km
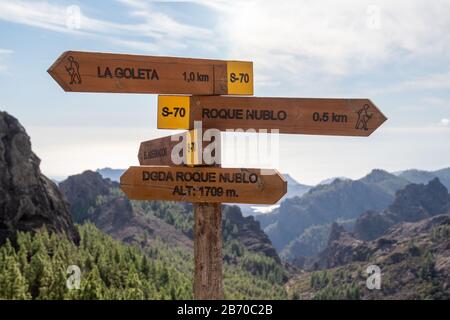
(239,77)
(177,112)
(195,77)
(329,117)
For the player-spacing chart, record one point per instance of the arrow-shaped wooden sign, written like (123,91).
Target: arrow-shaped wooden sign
(124,73)
(180,149)
(344,117)
(203,184)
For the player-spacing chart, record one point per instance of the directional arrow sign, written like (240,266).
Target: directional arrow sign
(170,150)
(203,184)
(344,117)
(106,72)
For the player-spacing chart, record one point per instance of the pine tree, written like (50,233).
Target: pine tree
(12,283)
(133,287)
(34,271)
(92,286)
(46,279)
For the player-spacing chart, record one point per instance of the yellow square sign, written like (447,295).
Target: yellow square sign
(193,148)
(173,112)
(240,77)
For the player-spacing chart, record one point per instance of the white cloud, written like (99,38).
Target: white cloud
(436,102)
(155,22)
(427,82)
(299,39)
(36,14)
(154,32)
(292,42)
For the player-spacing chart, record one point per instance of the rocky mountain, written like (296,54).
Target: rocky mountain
(413,203)
(28,200)
(112,174)
(295,189)
(324,204)
(93,198)
(422,176)
(331,180)
(311,241)
(386,181)
(247,231)
(413,258)
(342,248)
(409,242)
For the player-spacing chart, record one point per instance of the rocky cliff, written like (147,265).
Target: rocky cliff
(376,231)
(412,203)
(248,232)
(324,204)
(28,199)
(413,258)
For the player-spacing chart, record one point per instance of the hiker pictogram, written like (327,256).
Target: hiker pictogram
(74,70)
(363,118)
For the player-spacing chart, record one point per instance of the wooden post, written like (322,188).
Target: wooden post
(208,251)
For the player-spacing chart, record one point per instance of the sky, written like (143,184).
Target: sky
(396,53)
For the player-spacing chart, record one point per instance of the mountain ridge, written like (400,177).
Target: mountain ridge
(413,258)
(412,203)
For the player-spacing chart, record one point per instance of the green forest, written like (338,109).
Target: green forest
(35,267)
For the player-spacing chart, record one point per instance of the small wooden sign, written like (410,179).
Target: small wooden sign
(203,184)
(344,117)
(187,148)
(107,72)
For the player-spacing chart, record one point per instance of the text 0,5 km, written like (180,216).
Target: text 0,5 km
(177,112)
(329,117)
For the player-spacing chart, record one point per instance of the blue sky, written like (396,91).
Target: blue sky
(397,54)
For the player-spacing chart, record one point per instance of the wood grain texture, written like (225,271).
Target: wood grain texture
(203,184)
(157,152)
(123,73)
(343,117)
(208,251)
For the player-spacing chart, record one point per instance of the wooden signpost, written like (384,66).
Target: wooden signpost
(203,184)
(162,176)
(344,117)
(179,149)
(106,72)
